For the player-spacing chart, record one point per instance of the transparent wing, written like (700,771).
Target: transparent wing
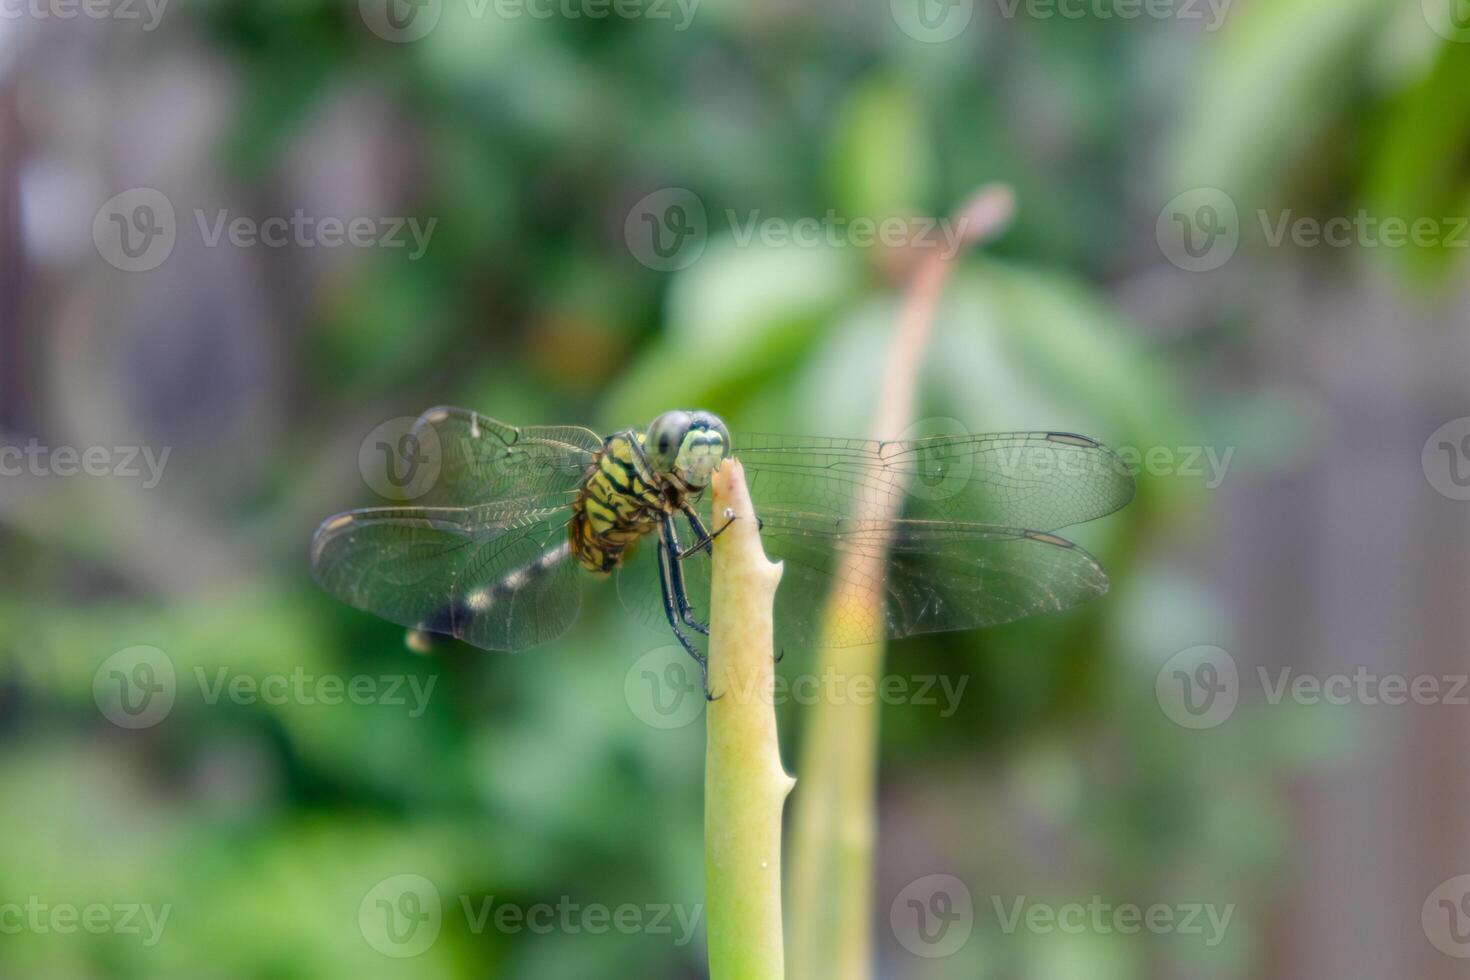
(900,577)
(504,583)
(483,462)
(895,578)
(1036,480)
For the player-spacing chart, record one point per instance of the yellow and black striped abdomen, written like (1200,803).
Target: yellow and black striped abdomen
(617,506)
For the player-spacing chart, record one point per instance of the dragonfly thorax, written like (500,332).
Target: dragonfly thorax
(622,498)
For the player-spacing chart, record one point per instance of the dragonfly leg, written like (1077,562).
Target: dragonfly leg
(676,576)
(701,533)
(672,602)
(702,537)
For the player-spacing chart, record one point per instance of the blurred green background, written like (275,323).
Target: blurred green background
(266,826)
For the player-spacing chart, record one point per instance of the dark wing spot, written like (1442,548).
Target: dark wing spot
(1072,439)
(1049,539)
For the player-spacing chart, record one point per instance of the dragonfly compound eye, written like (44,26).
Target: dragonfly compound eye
(665,437)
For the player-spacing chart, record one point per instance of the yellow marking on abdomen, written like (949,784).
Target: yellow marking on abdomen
(616,508)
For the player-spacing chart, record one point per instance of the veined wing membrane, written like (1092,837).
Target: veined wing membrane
(935,576)
(484,461)
(1036,480)
(499,580)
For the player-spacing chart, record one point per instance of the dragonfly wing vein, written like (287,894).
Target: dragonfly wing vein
(441,571)
(482,461)
(1039,480)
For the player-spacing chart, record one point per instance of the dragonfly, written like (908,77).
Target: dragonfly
(958,531)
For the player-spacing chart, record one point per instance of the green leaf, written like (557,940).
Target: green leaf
(1417,170)
(1274,80)
(880,162)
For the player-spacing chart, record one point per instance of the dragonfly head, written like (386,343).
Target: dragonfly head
(688,446)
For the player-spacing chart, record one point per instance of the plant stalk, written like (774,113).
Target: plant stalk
(745,785)
(835,821)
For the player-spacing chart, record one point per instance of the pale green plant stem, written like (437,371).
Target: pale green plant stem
(834,824)
(745,785)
